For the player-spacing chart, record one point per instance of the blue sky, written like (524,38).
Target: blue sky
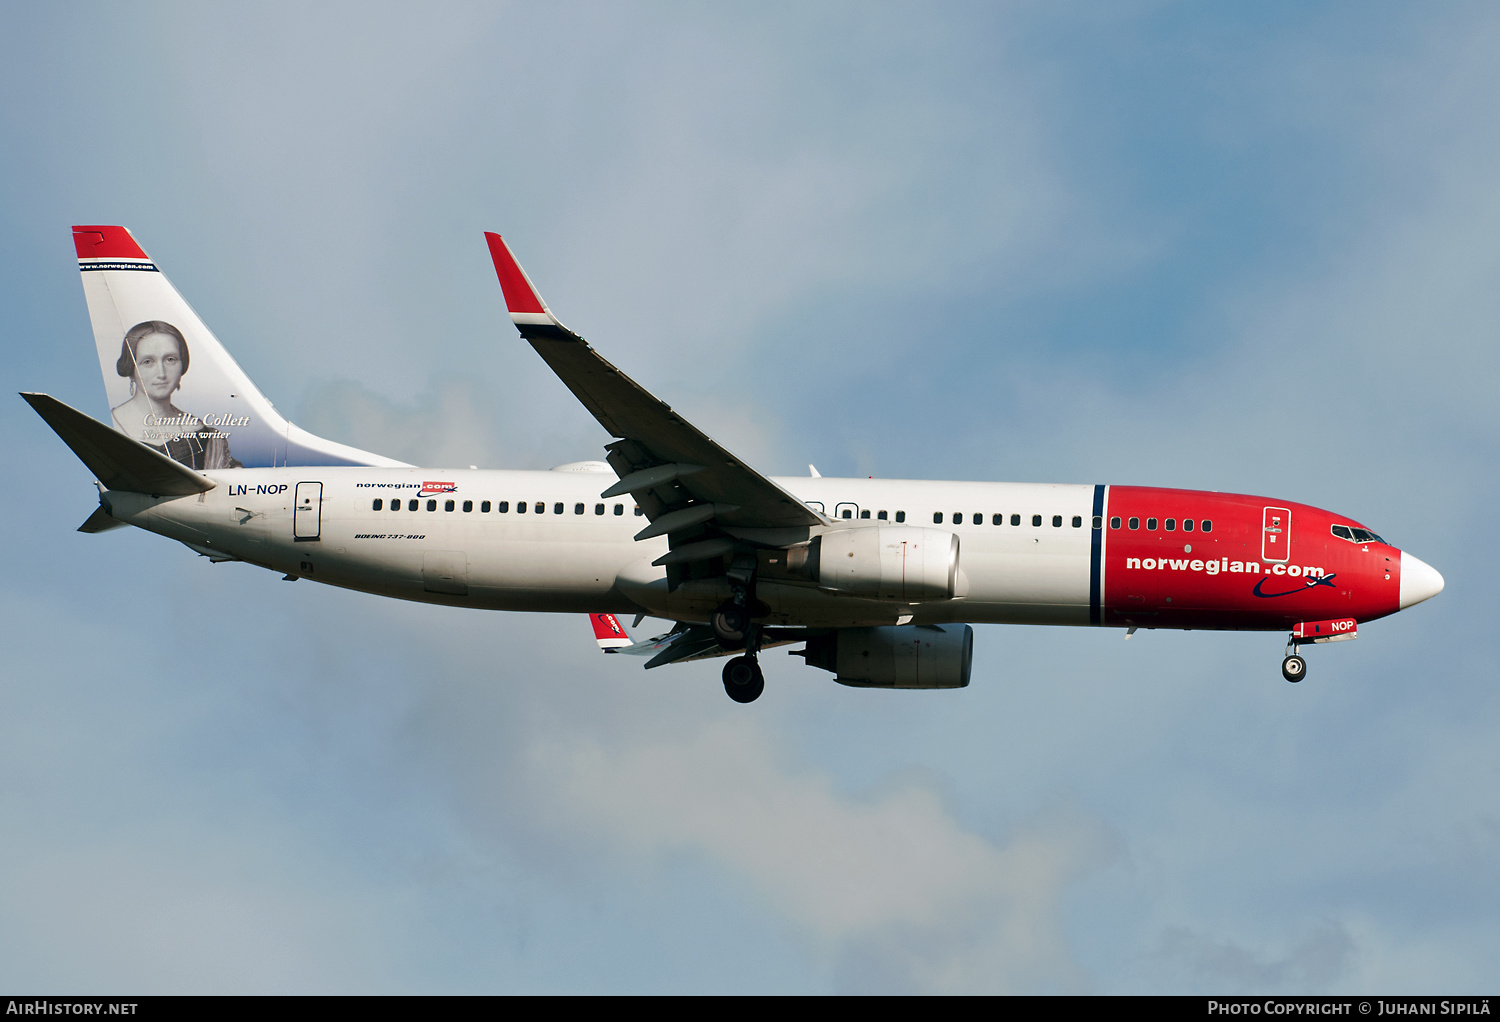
(1243,249)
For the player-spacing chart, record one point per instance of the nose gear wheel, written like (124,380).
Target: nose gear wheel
(1294,668)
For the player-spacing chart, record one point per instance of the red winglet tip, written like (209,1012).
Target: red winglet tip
(520,296)
(104,242)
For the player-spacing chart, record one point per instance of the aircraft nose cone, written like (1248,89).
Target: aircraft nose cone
(1419,580)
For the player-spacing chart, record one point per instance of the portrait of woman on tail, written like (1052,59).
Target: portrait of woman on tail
(154,357)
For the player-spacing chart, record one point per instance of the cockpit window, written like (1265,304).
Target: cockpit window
(1354,535)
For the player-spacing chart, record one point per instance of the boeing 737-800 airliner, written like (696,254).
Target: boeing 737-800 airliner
(879,579)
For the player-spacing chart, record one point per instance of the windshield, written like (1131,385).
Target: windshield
(1356,535)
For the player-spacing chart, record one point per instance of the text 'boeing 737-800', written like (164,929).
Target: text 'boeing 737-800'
(879,579)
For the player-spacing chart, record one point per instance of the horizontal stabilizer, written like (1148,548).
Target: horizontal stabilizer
(116,460)
(100,521)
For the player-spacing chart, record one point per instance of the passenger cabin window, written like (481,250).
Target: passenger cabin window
(484,507)
(1187,525)
(997,520)
(578,509)
(978,519)
(638,511)
(557,508)
(937,518)
(411,505)
(958,518)
(1135,523)
(598,509)
(468,506)
(864,514)
(503,507)
(377,505)
(1171,525)
(432,505)
(1208,526)
(540,508)
(1114,523)
(521,506)
(619,509)
(848,512)
(1151,524)
(1057,521)
(881,516)
(1036,521)
(1078,522)
(900,516)
(1015,519)
(447,505)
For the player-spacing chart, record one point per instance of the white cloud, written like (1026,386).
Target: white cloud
(890,885)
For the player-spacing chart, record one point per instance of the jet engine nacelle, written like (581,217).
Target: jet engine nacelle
(888,562)
(896,656)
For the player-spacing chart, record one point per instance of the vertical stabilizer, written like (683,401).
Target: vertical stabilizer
(170,383)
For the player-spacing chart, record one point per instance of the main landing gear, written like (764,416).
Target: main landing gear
(743,679)
(734,629)
(730,623)
(1293,667)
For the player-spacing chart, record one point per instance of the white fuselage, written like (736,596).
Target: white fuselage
(322,524)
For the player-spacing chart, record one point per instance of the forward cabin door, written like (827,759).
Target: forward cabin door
(307,513)
(1276,535)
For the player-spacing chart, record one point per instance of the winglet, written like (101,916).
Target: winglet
(608,631)
(527,310)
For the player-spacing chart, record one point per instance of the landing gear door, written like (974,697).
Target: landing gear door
(1276,535)
(307,514)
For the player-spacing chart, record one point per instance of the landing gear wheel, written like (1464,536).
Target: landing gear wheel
(729,623)
(1294,668)
(743,679)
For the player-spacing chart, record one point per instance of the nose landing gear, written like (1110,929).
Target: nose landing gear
(1293,667)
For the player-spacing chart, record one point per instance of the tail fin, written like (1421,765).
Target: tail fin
(171,385)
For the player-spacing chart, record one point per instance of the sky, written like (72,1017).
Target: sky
(1248,248)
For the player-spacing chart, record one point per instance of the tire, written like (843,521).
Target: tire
(1294,668)
(743,679)
(729,624)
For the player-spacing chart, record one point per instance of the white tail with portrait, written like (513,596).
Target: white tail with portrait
(171,385)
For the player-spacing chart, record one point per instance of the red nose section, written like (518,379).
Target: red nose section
(106,243)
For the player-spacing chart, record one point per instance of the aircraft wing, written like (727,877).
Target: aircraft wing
(707,502)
